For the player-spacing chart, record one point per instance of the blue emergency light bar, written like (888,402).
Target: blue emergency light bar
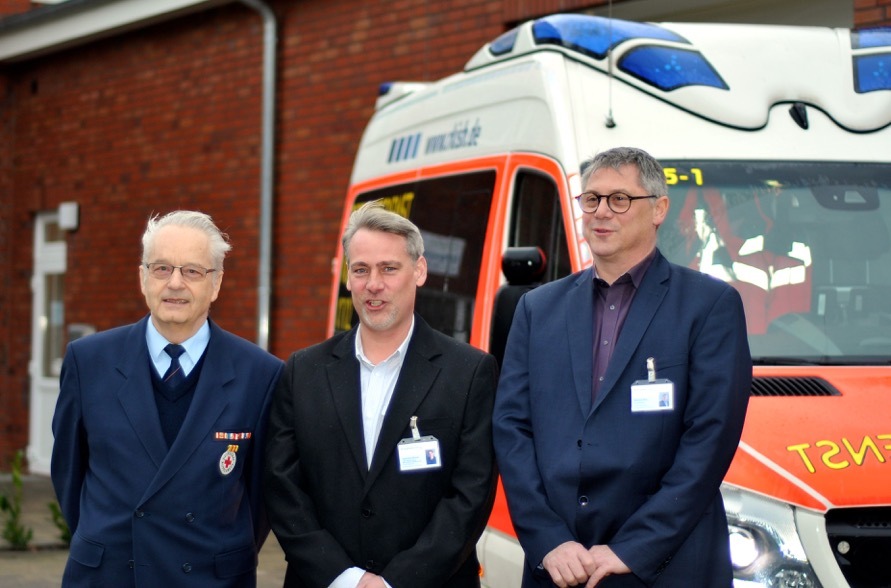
(669,68)
(595,35)
(871,38)
(504,43)
(664,67)
(872,71)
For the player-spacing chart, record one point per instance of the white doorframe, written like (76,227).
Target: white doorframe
(47,336)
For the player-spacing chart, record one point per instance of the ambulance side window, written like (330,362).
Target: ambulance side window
(452,213)
(537,220)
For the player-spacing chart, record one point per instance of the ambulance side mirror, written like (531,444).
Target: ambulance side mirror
(523,268)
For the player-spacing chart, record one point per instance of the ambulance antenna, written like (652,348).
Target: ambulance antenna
(610,122)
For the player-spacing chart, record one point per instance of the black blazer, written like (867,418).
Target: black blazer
(330,512)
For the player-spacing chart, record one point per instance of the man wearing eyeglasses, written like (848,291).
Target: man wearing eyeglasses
(159,430)
(621,402)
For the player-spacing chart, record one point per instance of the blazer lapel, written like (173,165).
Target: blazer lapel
(345,388)
(415,380)
(643,308)
(580,333)
(209,401)
(137,396)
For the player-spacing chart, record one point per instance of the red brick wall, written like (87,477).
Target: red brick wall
(8,7)
(14,345)
(165,118)
(872,13)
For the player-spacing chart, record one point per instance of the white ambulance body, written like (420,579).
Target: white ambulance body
(777,147)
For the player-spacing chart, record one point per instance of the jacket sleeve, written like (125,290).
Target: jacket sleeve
(254,473)
(292,514)
(539,528)
(68,465)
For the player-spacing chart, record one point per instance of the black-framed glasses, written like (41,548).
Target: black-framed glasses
(617,201)
(190,273)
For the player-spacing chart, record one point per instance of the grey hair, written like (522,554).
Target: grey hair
(652,178)
(375,217)
(218,240)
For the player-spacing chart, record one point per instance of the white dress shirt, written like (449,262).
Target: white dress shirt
(377,383)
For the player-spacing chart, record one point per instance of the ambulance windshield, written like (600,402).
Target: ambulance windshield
(806,244)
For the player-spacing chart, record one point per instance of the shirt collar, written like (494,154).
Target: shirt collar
(636,273)
(400,351)
(194,345)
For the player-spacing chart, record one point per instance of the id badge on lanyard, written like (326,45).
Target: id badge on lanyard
(418,453)
(652,394)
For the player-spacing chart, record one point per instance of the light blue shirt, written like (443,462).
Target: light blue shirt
(194,346)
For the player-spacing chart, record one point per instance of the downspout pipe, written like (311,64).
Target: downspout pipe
(267,161)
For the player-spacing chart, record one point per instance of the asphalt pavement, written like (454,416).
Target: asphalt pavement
(42,564)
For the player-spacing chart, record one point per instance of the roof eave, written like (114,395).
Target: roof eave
(54,28)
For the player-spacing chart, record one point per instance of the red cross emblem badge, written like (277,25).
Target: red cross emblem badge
(228,459)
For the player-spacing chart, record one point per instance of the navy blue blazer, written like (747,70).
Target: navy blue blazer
(143,515)
(644,483)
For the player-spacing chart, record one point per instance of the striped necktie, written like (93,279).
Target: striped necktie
(174,375)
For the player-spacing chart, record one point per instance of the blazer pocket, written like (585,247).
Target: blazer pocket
(669,361)
(86,552)
(235,563)
(438,427)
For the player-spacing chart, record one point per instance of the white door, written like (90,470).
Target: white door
(47,336)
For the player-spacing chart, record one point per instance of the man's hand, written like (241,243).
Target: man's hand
(605,564)
(370,580)
(569,564)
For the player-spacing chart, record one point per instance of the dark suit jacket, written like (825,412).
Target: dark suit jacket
(330,512)
(142,515)
(645,483)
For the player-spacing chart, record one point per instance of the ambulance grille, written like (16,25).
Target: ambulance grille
(783,386)
(860,539)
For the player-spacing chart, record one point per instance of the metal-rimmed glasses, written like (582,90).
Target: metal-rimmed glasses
(190,273)
(617,201)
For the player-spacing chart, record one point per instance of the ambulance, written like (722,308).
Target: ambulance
(776,145)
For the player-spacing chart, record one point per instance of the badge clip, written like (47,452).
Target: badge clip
(651,369)
(415,433)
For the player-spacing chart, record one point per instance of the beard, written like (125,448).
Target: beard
(377,321)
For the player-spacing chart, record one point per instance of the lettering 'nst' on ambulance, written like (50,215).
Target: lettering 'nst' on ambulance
(776,144)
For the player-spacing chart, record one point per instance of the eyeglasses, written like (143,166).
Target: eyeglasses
(190,273)
(617,202)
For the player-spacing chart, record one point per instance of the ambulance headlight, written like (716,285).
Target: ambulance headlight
(765,549)
(745,549)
